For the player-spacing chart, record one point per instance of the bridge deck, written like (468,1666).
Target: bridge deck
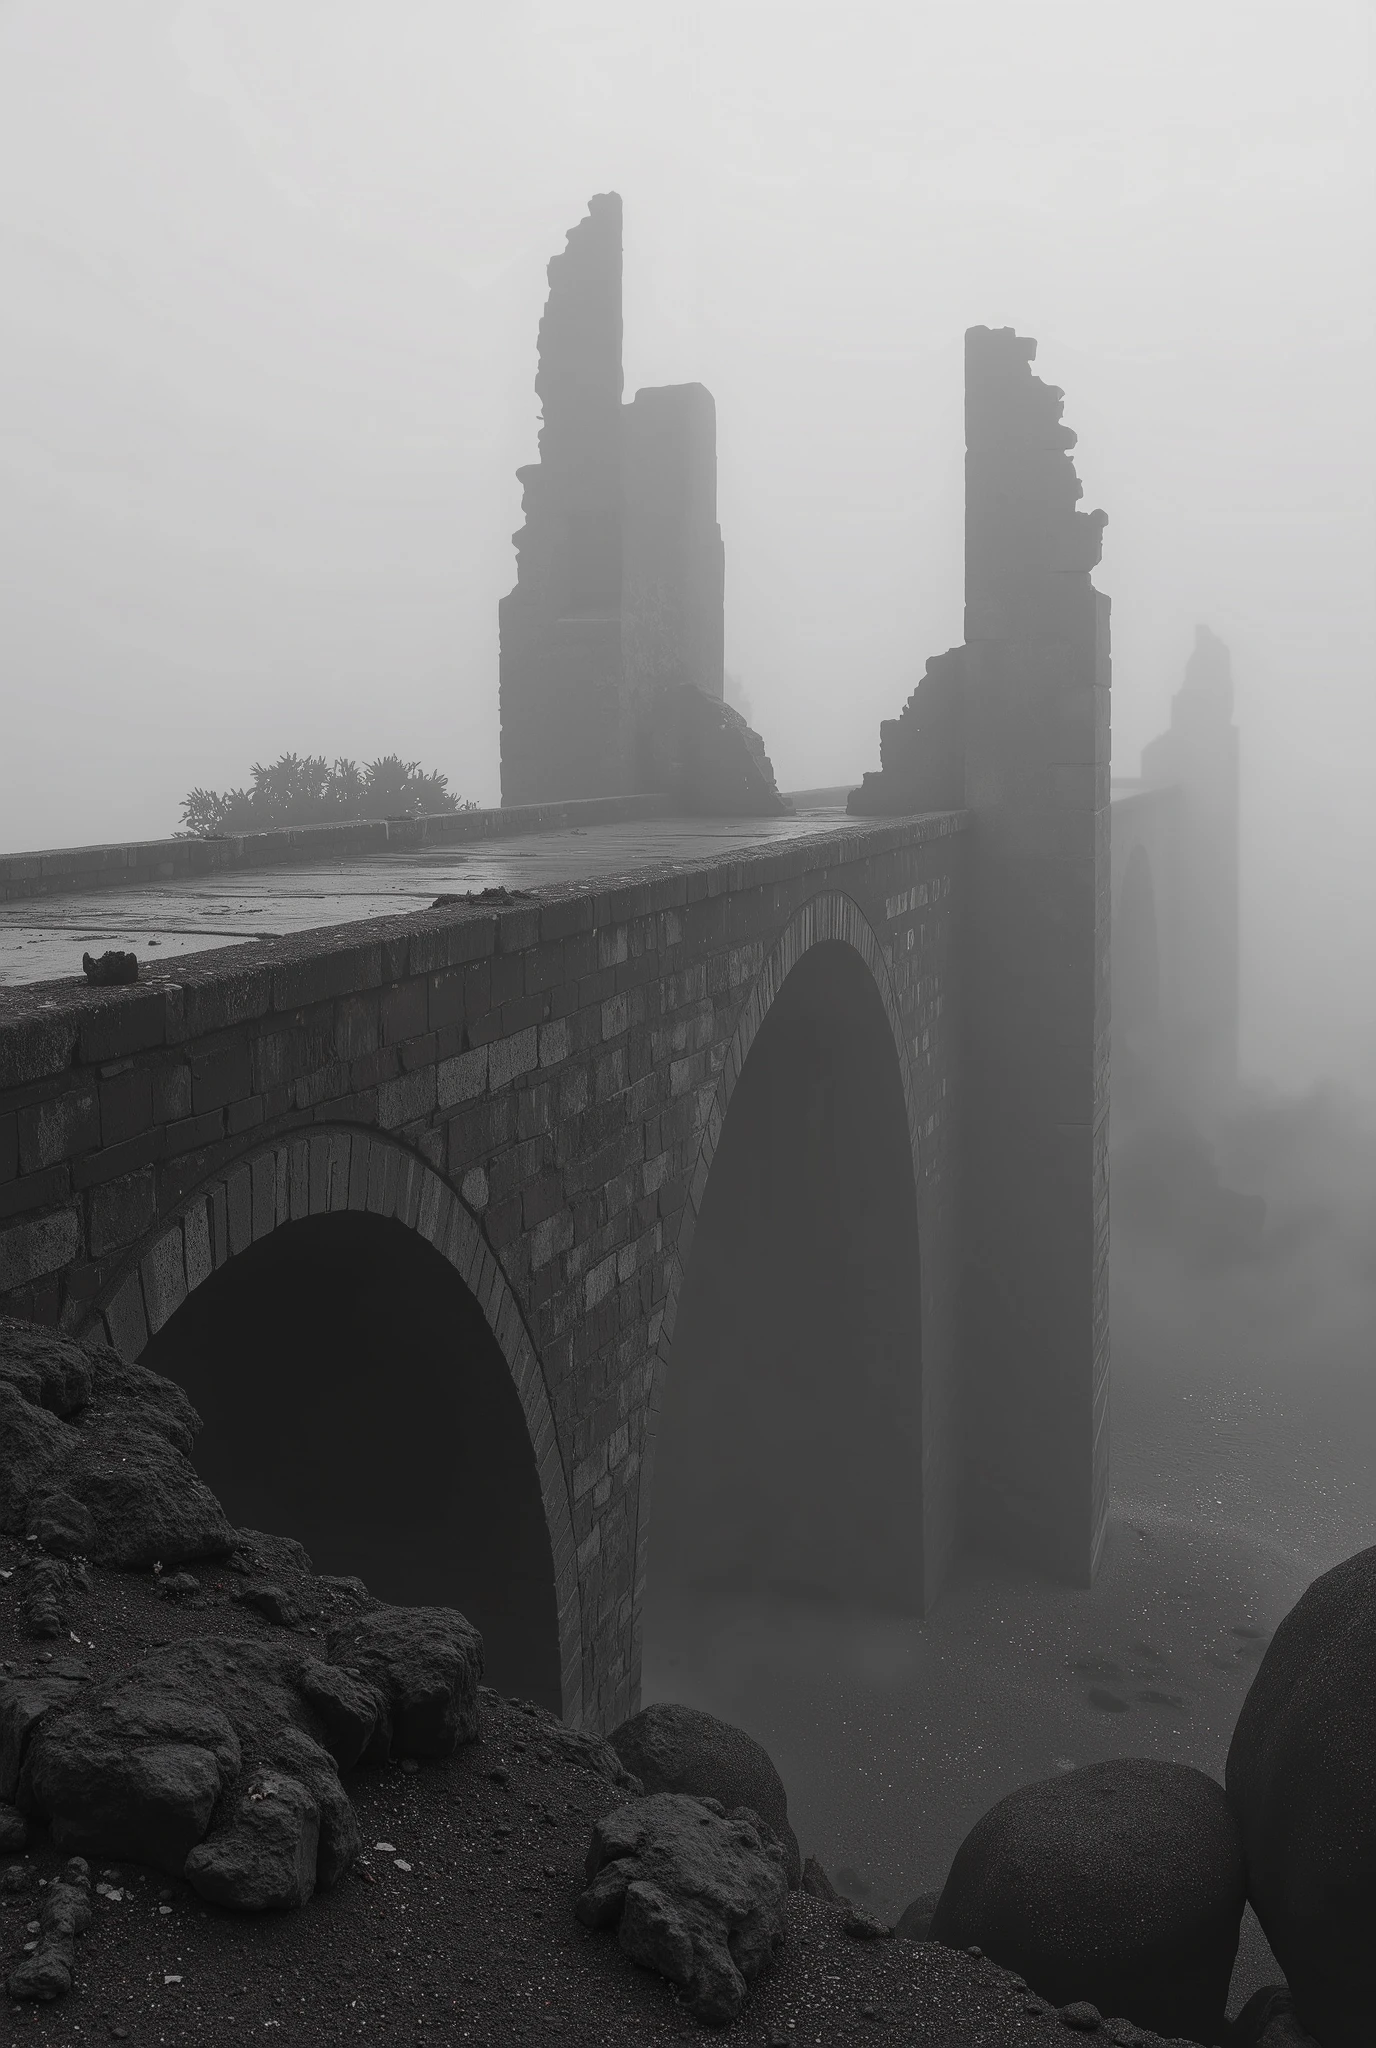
(43,939)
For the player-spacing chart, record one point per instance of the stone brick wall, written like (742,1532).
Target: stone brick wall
(539,1092)
(1014,726)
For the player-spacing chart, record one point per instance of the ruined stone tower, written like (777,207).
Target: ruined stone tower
(611,641)
(1013,727)
(561,675)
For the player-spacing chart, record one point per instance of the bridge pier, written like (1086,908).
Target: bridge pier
(1014,727)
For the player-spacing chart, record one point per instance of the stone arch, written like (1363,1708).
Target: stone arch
(333,1170)
(830,917)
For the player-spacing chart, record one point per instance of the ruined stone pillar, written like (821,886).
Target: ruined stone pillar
(1036,741)
(612,640)
(562,682)
(674,568)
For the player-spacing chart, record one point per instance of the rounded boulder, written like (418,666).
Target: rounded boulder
(683,1749)
(1301,1779)
(1119,1885)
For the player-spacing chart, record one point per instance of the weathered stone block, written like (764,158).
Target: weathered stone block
(122,1210)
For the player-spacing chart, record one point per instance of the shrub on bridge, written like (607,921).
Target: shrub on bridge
(303,789)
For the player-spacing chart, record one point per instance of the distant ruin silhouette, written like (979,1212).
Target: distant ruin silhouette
(611,641)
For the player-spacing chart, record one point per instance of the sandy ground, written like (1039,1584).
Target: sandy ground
(1244,1463)
(457,1926)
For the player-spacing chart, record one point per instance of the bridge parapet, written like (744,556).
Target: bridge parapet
(539,1090)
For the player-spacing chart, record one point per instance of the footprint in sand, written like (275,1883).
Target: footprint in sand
(1107,1702)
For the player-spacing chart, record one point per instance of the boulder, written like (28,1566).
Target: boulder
(24,1700)
(682,1749)
(1269,2020)
(695,1894)
(425,1664)
(218,1758)
(1119,1884)
(143,1767)
(93,1456)
(817,1885)
(1301,1779)
(915,1921)
(64,1914)
(266,1857)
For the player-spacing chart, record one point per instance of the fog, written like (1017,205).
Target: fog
(272,278)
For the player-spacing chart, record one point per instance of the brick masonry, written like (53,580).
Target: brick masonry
(538,1091)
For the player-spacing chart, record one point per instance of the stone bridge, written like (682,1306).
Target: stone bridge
(739,1219)
(540,1094)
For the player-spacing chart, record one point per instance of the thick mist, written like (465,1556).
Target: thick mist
(272,283)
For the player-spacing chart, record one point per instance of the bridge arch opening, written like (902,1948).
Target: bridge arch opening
(355,1397)
(788,1451)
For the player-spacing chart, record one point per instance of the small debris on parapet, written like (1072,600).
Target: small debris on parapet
(111,967)
(501,895)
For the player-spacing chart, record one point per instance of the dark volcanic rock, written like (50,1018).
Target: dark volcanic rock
(43,1604)
(272,1556)
(682,1749)
(272,1602)
(1269,2020)
(1301,1779)
(915,1921)
(694,1894)
(93,1455)
(266,1857)
(146,1764)
(14,1830)
(218,1758)
(425,1664)
(47,1370)
(1119,1884)
(818,1885)
(24,1700)
(64,1525)
(109,968)
(570,1745)
(64,1914)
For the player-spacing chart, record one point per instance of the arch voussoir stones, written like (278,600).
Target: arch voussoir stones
(324,1174)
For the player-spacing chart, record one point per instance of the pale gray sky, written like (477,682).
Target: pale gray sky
(272,271)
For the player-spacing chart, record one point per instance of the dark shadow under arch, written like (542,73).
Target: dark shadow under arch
(788,1451)
(354,1397)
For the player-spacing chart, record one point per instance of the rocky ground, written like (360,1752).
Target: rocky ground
(457,1924)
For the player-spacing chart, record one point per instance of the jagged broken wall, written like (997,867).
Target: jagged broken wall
(612,640)
(560,628)
(1013,727)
